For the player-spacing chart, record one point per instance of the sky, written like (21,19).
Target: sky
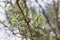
(4,34)
(9,36)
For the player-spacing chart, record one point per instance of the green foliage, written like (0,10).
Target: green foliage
(18,21)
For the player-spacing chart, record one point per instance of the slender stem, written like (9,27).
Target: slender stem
(24,18)
(47,19)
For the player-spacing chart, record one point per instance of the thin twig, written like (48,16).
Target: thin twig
(24,18)
(43,11)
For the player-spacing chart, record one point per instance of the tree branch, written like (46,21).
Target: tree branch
(43,11)
(24,18)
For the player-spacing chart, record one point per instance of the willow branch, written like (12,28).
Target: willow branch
(24,18)
(56,9)
(47,19)
(25,6)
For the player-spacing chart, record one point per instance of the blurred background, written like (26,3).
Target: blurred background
(29,19)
